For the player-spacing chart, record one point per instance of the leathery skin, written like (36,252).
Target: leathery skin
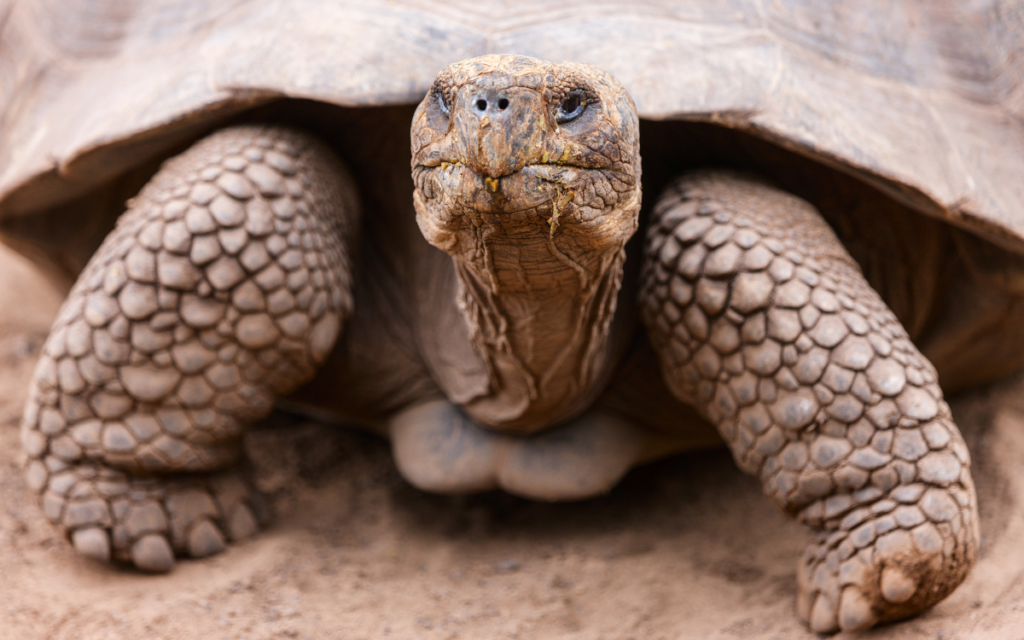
(763,322)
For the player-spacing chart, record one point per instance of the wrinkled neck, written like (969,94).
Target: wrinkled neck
(539,305)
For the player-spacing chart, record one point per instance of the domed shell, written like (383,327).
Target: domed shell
(925,100)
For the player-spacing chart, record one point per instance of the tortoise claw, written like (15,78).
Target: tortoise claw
(855,612)
(152,553)
(92,542)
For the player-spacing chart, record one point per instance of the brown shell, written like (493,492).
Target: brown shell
(925,99)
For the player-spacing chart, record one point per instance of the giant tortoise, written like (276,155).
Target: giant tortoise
(833,224)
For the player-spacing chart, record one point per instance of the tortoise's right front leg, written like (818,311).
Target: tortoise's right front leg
(765,324)
(223,286)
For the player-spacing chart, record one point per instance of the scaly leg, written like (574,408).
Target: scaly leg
(223,286)
(764,323)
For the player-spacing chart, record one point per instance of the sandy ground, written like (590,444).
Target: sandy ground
(683,548)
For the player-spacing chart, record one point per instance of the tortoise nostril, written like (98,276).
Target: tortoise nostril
(481,104)
(503,104)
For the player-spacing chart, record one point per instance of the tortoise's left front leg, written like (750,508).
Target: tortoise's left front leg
(765,324)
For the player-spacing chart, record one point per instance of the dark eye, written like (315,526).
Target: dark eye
(570,108)
(441,102)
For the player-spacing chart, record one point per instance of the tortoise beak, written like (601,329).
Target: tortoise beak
(500,128)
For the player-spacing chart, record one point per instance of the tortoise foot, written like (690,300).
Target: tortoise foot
(149,522)
(888,561)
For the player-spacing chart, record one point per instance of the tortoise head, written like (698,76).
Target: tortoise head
(523,144)
(528,174)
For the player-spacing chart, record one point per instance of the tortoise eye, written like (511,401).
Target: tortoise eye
(572,107)
(441,102)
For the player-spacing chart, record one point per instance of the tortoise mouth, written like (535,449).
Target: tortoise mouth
(540,187)
(442,163)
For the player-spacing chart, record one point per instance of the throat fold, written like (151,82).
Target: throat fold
(539,310)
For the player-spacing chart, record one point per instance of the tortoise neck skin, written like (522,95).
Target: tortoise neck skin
(528,175)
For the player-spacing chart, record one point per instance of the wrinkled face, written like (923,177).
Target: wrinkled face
(518,144)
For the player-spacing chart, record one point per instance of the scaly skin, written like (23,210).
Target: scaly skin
(765,324)
(223,286)
(227,281)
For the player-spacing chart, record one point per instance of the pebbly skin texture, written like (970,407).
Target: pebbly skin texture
(765,324)
(229,278)
(223,286)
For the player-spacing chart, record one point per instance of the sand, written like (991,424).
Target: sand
(683,548)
